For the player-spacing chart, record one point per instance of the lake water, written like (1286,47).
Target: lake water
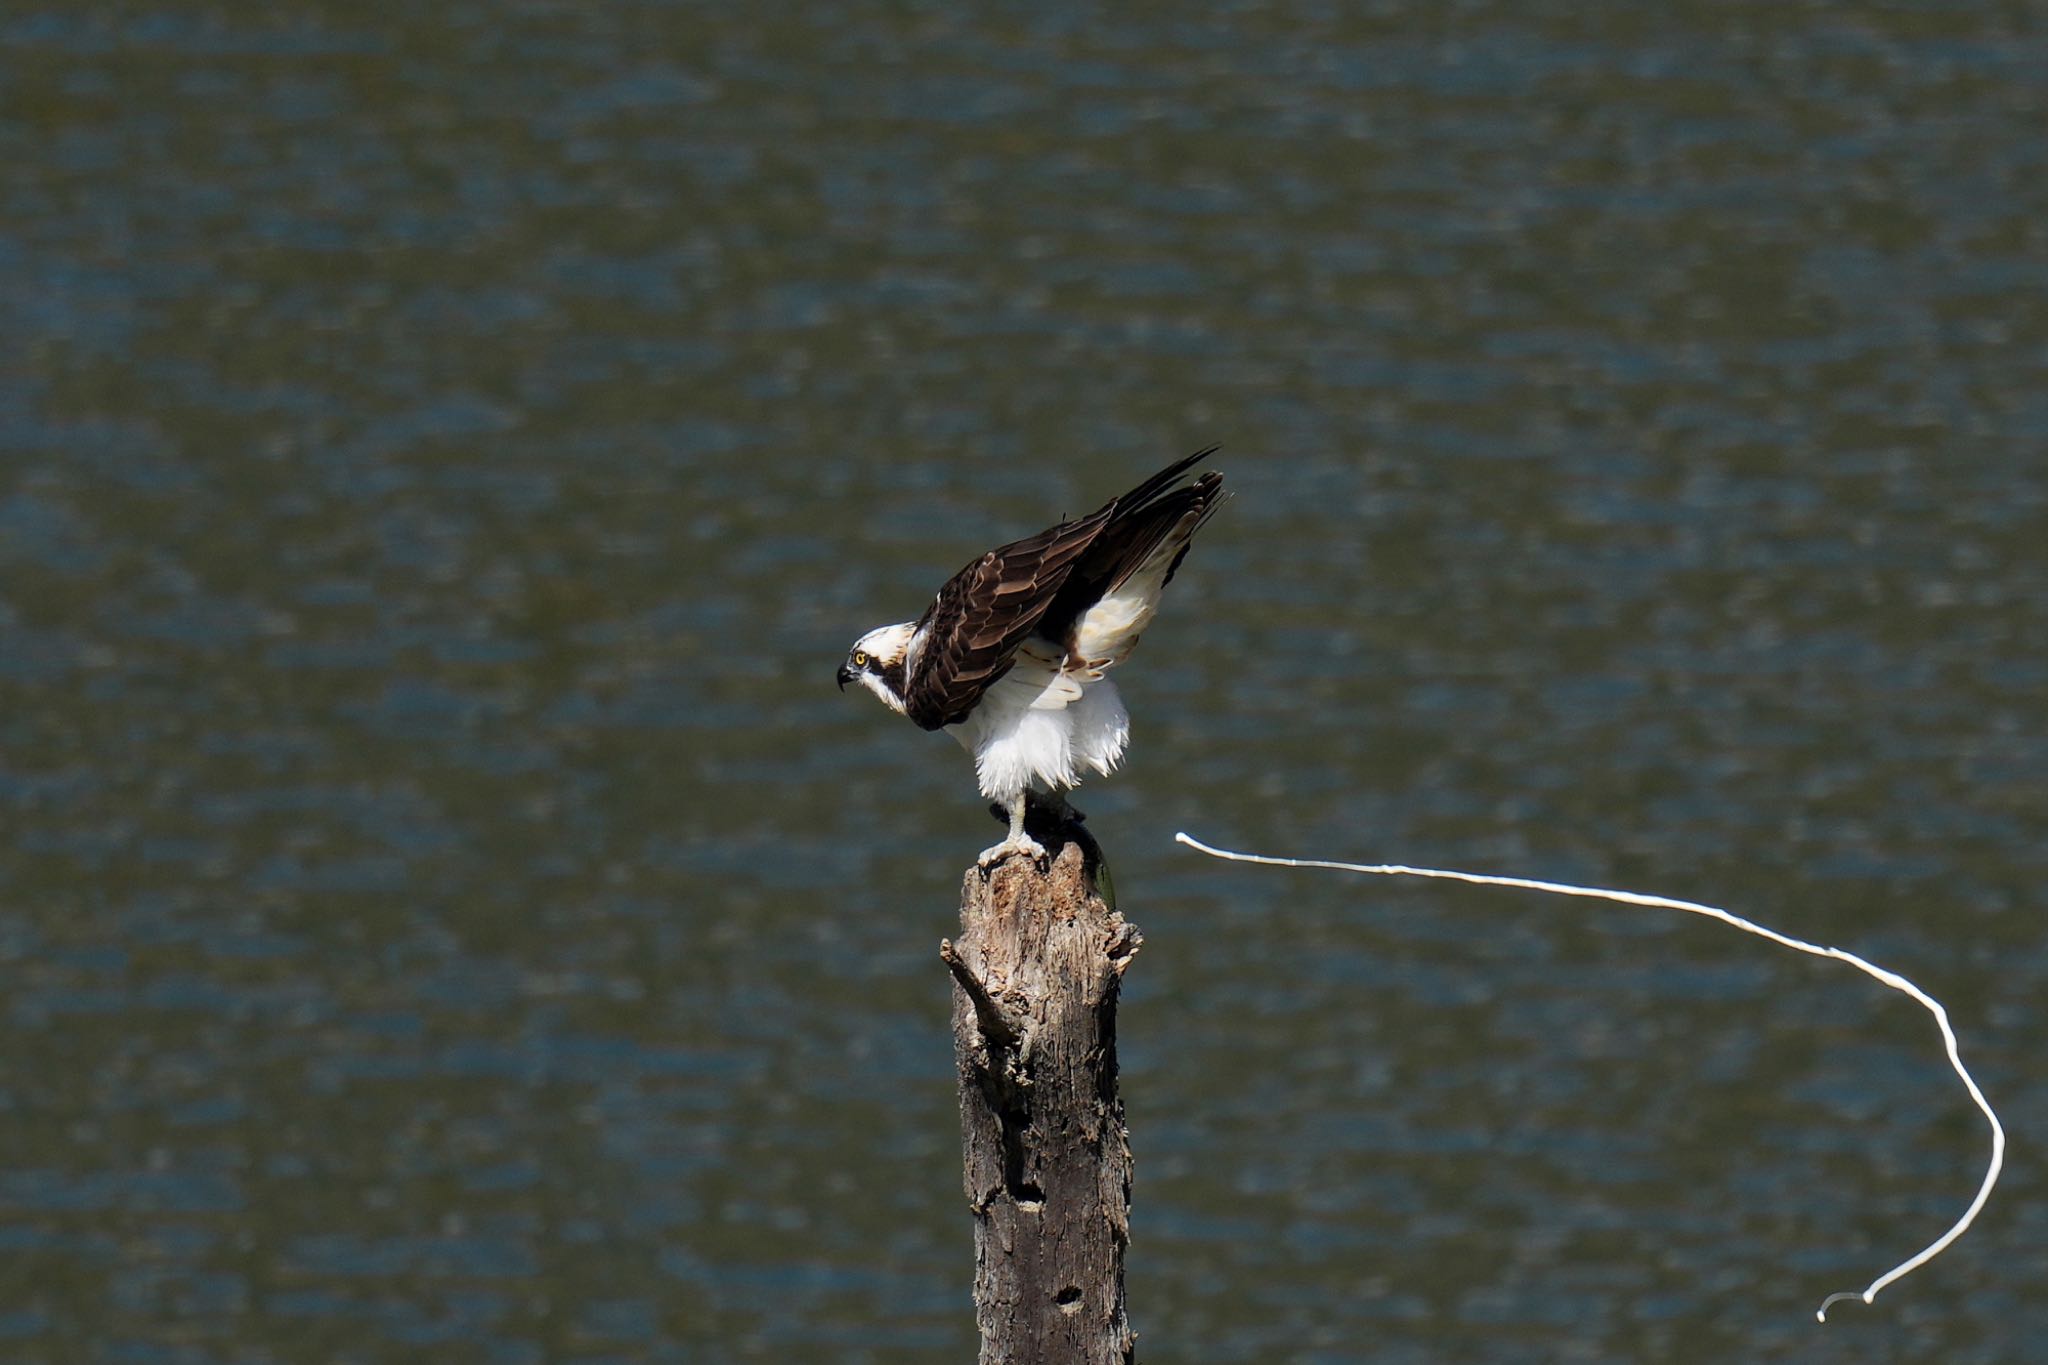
(448,912)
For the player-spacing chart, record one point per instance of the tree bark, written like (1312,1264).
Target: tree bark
(1047,1168)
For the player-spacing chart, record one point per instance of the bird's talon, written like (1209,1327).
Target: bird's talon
(1027,846)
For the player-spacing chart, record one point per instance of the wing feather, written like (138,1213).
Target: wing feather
(973,627)
(1144,520)
(969,636)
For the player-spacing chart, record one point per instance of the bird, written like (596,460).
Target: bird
(1012,656)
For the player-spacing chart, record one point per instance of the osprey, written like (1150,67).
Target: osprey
(1010,656)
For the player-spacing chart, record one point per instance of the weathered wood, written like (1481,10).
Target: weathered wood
(1047,1166)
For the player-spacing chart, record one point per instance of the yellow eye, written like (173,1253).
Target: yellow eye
(860,658)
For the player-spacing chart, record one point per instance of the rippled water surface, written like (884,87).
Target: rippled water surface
(448,913)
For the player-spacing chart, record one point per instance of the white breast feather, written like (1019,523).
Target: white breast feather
(1101,727)
(1037,725)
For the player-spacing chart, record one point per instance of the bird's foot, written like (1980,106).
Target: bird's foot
(1016,843)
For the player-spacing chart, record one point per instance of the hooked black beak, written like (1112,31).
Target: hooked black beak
(845,676)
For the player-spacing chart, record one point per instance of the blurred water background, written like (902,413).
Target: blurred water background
(448,913)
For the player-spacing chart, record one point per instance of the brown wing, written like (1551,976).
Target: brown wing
(971,632)
(1141,521)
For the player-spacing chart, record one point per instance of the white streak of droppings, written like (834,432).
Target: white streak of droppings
(1889,978)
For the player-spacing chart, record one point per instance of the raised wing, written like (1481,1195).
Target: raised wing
(1146,537)
(969,636)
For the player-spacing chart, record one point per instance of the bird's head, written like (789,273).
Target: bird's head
(876,663)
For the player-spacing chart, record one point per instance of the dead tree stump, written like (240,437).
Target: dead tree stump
(1047,1157)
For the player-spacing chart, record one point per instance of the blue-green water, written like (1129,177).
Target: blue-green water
(448,913)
